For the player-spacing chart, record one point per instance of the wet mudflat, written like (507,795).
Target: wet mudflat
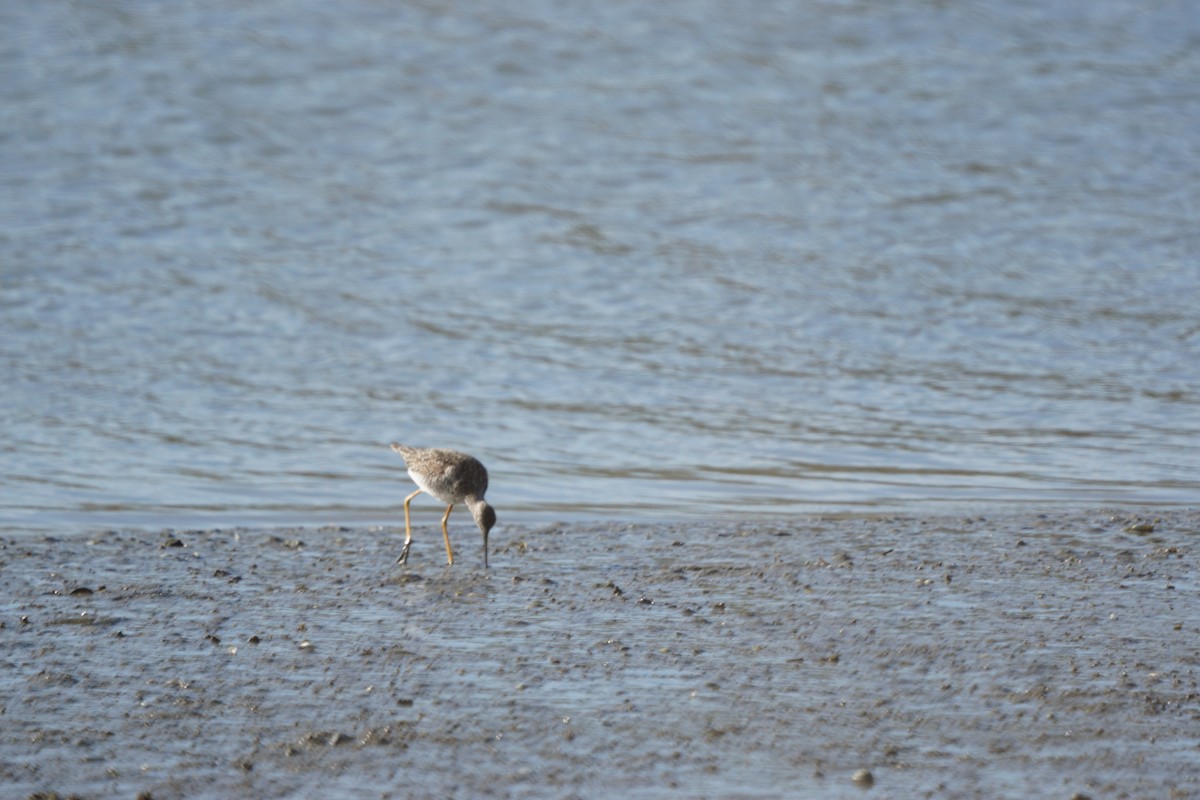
(1047,655)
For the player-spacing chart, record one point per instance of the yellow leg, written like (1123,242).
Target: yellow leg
(446,535)
(403,559)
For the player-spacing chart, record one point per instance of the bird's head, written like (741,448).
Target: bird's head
(485,518)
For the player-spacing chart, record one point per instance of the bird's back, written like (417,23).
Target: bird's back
(448,475)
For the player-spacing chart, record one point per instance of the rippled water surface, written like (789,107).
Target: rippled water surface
(642,259)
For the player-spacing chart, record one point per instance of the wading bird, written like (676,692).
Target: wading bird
(451,477)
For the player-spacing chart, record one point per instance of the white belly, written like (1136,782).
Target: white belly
(425,487)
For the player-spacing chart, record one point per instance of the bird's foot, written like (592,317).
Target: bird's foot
(403,559)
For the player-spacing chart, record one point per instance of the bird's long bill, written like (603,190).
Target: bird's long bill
(485,563)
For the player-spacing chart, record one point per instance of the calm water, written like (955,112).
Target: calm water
(644,259)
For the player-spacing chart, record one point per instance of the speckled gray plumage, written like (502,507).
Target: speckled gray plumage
(448,475)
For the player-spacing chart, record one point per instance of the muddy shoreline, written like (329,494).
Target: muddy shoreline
(1047,655)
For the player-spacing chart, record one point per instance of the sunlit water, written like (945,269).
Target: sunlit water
(643,259)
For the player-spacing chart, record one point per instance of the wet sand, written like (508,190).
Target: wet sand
(1046,655)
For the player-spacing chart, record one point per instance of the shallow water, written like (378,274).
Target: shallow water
(643,260)
(1018,656)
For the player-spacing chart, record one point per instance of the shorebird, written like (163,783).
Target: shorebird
(451,477)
